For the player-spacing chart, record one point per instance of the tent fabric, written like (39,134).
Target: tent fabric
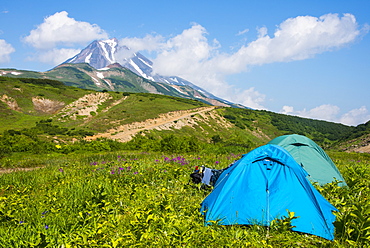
(311,157)
(263,185)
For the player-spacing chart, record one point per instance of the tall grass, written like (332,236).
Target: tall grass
(139,199)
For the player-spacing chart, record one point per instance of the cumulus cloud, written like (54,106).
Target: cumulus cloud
(192,56)
(250,97)
(59,29)
(355,116)
(55,56)
(5,50)
(294,39)
(186,53)
(330,112)
(148,43)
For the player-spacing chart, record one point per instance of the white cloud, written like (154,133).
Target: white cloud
(186,54)
(355,116)
(56,56)
(59,29)
(243,31)
(148,43)
(192,56)
(331,113)
(250,98)
(5,50)
(295,39)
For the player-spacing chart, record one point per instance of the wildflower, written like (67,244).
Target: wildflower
(61,170)
(128,168)
(21,222)
(135,172)
(217,162)
(58,146)
(46,226)
(112,172)
(120,168)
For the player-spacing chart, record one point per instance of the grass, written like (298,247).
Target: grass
(132,199)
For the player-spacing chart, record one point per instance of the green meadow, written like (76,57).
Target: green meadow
(146,199)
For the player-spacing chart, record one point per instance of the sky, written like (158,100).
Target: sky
(309,58)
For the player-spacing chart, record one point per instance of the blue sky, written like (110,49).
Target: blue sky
(305,58)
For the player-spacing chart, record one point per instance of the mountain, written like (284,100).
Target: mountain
(113,78)
(100,54)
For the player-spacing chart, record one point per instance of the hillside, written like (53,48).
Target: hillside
(58,113)
(115,78)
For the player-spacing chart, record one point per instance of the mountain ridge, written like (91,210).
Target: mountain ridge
(102,53)
(113,78)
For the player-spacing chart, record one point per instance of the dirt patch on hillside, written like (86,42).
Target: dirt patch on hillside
(46,105)
(84,106)
(168,121)
(361,145)
(11,102)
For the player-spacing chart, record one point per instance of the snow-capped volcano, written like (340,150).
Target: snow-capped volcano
(98,54)
(102,53)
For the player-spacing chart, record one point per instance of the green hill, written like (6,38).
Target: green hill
(37,114)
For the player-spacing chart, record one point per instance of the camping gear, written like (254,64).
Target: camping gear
(311,157)
(206,176)
(264,185)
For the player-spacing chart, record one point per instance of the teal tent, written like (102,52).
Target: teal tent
(264,185)
(311,157)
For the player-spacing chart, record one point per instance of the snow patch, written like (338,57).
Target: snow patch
(87,59)
(107,82)
(137,68)
(179,90)
(100,75)
(145,62)
(97,82)
(73,59)
(174,79)
(108,56)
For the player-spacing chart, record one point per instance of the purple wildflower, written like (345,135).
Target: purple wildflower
(135,172)
(46,226)
(61,170)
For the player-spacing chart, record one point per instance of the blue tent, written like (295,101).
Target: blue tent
(263,185)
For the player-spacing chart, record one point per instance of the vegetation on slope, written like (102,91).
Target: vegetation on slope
(126,199)
(26,129)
